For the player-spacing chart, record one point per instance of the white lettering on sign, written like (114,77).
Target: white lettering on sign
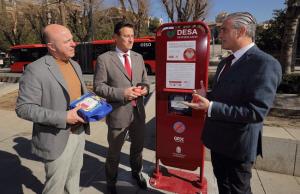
(186,32)
(145,44)
(178,139)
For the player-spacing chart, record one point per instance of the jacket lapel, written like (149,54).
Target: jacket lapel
(53,68)
(119,64)
(134,65)
(238,63)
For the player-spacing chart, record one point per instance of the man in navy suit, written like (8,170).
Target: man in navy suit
(243,91)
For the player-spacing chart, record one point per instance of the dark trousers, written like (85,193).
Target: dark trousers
(233,177)
(116,138)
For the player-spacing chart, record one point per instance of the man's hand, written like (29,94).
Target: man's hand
(73,117)
(202,90)
(201,103)
(142,90)
(131,93)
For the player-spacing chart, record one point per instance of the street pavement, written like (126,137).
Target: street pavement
(22,172)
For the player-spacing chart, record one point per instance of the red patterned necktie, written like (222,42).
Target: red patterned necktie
(127,65)
(227,65)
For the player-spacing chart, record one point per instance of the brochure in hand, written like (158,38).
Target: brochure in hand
(93,108)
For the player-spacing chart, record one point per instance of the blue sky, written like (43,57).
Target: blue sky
(261,9)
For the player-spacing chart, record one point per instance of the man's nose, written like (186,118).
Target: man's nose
(73,44)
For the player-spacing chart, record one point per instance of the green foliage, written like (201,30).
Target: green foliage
(269,38)
(103,31)
(154,24)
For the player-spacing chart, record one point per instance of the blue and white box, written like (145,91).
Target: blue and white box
(93,108)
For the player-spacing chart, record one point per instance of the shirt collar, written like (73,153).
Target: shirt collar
(121,53)
(237,54)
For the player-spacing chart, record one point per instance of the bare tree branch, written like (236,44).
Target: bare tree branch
(185,10)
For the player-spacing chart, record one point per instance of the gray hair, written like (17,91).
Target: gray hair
(245,19)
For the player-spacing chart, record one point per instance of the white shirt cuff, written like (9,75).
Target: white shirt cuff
(209,109)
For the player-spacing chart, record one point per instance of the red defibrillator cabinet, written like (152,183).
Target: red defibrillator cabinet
(182,56)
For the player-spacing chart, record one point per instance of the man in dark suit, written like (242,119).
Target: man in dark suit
(243,91)
(121,78)
(46,89)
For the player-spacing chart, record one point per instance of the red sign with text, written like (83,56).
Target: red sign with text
(182,57)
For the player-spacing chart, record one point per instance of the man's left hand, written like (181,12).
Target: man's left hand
(142,90)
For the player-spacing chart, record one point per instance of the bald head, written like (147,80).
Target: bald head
(59,41)
(52,31)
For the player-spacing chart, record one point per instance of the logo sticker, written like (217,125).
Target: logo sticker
(178,150)
(189,54)
(178,153)
(179,139)
(171,33)
(179,127)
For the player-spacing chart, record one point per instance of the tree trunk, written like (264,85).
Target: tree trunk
(62,13)
(90,33)
(288,50)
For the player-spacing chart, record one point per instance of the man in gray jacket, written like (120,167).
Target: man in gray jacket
(46,89)
(121,78)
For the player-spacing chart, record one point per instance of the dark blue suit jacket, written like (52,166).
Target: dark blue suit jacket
(241,99)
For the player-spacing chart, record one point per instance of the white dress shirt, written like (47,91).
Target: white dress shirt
(121,57)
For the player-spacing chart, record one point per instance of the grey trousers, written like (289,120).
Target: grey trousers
(116,138)
(63,174)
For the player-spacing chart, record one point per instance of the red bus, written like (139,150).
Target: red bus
(22,55)
(86,53)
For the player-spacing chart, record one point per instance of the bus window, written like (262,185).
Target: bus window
(26,54)
(147,49)
(86,53)
(100,49)
(21,57)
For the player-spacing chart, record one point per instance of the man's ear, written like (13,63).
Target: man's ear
(51,46)
(114,37)
(242,31)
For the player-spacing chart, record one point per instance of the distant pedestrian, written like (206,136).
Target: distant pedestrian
(242,94)
(47,87)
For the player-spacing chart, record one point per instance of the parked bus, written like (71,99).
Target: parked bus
(86,53)
(22,55)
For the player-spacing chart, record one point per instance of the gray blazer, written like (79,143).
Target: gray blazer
(44,100)
(111,79)
(241,100)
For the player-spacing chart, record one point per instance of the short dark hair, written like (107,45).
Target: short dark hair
(121,25)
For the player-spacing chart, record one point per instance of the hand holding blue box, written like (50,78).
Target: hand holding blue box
(93,108)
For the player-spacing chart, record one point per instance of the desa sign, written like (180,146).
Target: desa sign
(186,32)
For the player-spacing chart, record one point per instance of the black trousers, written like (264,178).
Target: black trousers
(233,176)
(116,138)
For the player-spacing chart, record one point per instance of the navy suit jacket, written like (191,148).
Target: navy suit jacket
(241,99)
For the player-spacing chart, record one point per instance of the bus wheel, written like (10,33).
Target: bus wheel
(148,69)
